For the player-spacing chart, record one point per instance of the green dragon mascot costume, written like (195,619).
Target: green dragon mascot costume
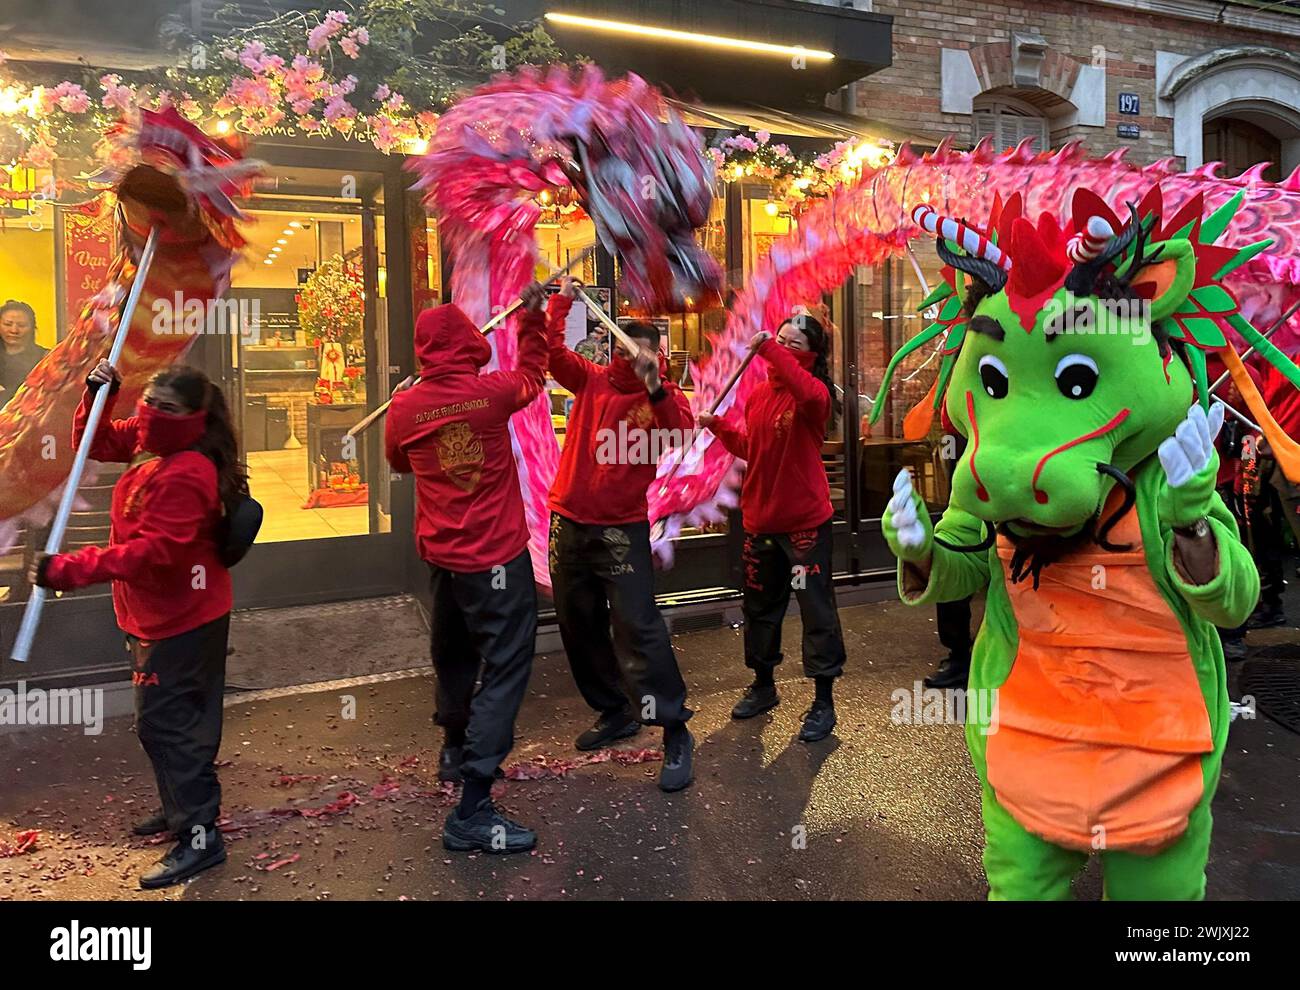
(1074,364)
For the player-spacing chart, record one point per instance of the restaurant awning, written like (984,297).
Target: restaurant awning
(816,123)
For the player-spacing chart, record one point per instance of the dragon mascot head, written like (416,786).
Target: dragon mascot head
(1073,350)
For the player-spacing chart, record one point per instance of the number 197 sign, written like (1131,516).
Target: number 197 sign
(1130,104)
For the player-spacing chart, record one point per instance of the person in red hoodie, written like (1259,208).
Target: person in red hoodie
(451,430)
(1273,504)
(601,567)
(786,511)
(171,591)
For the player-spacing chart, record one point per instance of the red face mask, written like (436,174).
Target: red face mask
(806,361)
(163,433)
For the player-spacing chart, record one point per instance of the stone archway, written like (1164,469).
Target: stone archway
(1252,83)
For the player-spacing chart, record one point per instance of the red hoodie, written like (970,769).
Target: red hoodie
(452,431)
(587,491)
(1282,399)
(785,488)
(162,554)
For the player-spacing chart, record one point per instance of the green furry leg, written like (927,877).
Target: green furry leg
(1175,874)
(1019,865)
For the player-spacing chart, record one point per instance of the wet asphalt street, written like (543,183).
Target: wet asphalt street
(319,805)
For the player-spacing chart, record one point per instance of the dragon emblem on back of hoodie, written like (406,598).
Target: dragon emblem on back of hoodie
(460,453)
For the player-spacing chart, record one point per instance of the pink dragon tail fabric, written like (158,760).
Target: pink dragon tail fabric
(872,219)
(169,175)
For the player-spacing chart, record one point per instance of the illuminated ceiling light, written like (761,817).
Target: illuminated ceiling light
(282,242)
(288,232)
(295,225)
(772,209)
(689,37)
(268,261)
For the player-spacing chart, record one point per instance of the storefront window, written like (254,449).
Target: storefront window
(888,296)
(765,221)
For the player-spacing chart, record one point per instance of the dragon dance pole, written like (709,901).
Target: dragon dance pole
(713,409)
(1218,384)
(610,325)
(32,614)
(485,329)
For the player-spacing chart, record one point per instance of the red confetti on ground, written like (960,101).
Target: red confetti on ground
(344,802)
(387,787)
(336,807)
(554,768)
(24,842)
(281,862)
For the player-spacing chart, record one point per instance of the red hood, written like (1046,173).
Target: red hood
(447,341)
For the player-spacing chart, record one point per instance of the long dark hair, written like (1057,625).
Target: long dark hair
(220,443)
(819,342)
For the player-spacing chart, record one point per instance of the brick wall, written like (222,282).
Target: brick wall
(908,93)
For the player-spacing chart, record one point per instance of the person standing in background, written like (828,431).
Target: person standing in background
(19,353)
(952,618)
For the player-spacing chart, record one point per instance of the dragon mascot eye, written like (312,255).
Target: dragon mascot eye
(993,376)
(1076,376)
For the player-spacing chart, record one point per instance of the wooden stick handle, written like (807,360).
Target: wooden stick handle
(735,377)
(713,408)
(486,329)
(36,602)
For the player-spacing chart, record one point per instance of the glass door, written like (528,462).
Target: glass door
(304,358)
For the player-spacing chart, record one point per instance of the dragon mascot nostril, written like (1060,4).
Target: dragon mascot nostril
(1074,364)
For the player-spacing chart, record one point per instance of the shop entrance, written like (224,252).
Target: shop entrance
(304,356)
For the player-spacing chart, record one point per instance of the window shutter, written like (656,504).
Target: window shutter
(1007,128)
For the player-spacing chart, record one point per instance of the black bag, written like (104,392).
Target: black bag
(241,519)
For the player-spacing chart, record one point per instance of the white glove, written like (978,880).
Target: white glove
(906,533)
(1188,452)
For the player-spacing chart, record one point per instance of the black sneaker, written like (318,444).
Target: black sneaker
(155,824)
(184,861)
(1266,617)
(952,672)
(679,762)
(609,728)
(818,721)
(449,761)
(757,699)
(487,830)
